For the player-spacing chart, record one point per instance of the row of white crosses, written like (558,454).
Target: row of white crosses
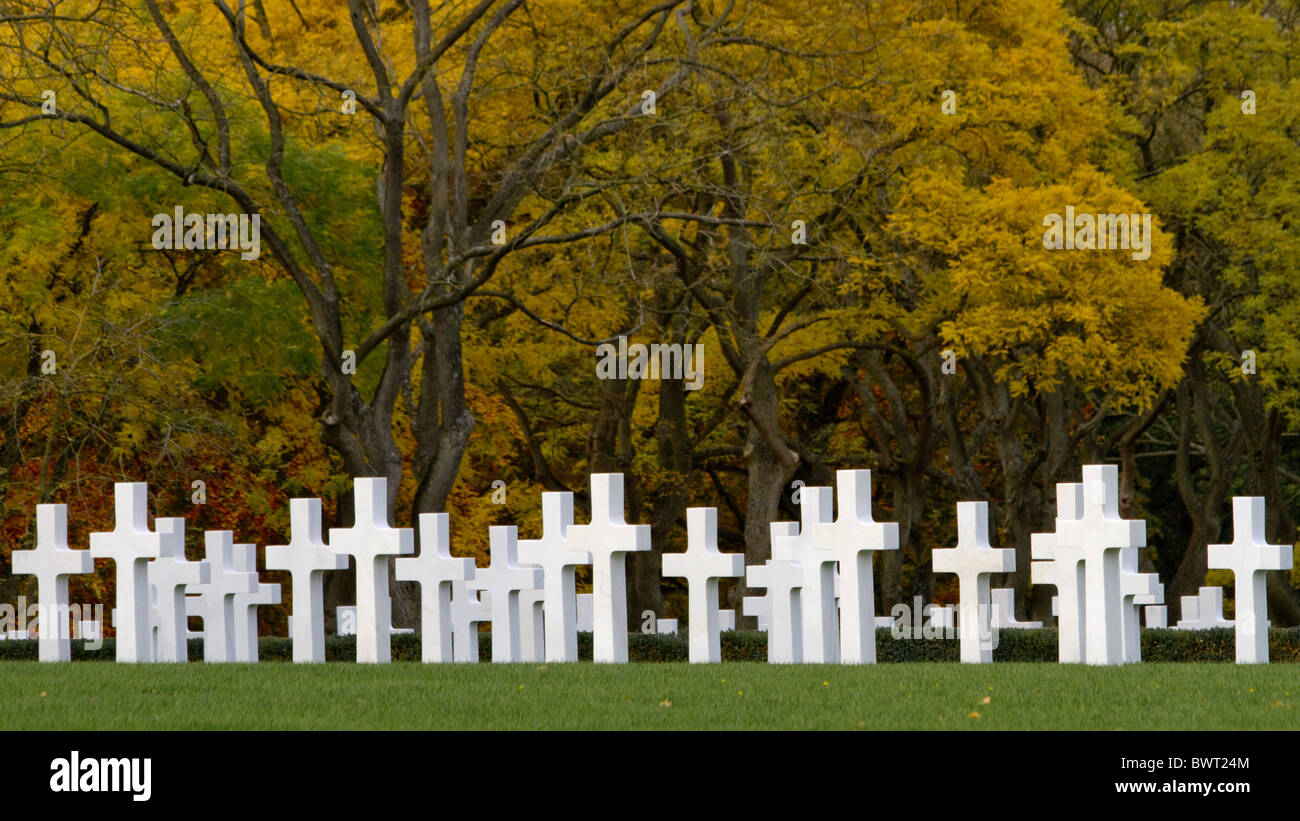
(153,580)
(157,588)
(800,603)
(818,604)
(1091,560)
(526,576)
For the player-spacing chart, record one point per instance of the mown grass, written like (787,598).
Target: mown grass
(84,696)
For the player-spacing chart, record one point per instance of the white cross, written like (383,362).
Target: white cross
(783,581)
(558,559)
(306,557)
(469,609)
(939,617)
(1249,557)
(245,604)
(609,539)
(169,576)
(51,562)
(1138,589)
(702,565)
(1204,611)
(1004,611)
(852,539)
(532,625)
(1101,534)
(755,606)
(1061,566)
(345,620)
(435,569)
(586,611)
(370,541)
(974,560)
(214,601)
(795,543)
(1157,616)
(130,545)
(727,618)
(502,580)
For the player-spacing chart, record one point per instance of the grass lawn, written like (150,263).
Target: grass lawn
(101,696)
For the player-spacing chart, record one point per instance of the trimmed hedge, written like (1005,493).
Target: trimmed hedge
(1013,645)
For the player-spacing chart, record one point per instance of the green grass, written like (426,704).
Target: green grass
(647,696)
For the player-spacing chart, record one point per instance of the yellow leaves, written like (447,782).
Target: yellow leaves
(1044,315)
(273,444)
(131,436)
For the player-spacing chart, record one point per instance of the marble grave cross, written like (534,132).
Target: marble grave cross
(214,601)
(1138,589)
(306,557)
(1102,535)
(245,604)
(436,570)
(1249,557)
(1061,566)
(973,560)
(1157,616)
(793,542)
(1003,601)
(1204,611)
(783,581)
(51,562)
(131,545)
(586,606)
(703,565)
(371,542)
(555,554)
(469,609)
(851,540)
(502,580)
(757,606)
(170,576)
(532,624)
(608,538)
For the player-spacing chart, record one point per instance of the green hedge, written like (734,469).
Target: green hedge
(1013,645)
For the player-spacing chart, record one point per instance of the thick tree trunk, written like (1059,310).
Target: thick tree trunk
(770,464)
(667,523)
(368,450)
(1204,501)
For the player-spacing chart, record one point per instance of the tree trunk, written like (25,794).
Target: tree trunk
(770,466)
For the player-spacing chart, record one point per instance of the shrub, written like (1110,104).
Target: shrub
(1216,645)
